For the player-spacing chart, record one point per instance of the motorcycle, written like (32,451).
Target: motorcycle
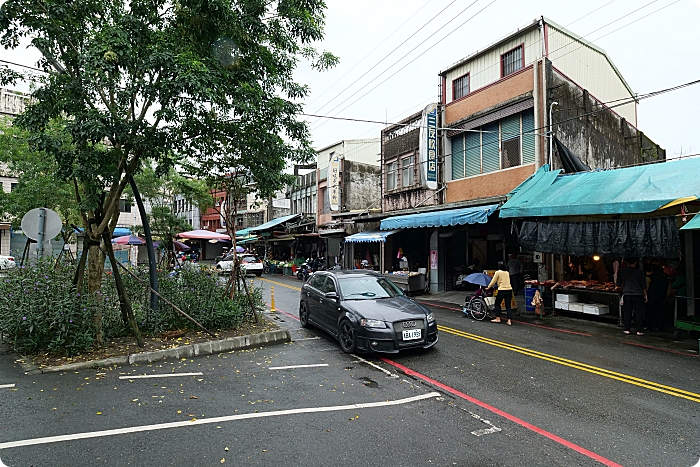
(268,266)
(304,271)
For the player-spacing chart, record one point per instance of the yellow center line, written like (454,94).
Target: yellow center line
(282,284)
(577,365)
(558,360)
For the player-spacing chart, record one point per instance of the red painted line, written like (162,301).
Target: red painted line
(507,416)
(518,321)
(440,306)
(636,344)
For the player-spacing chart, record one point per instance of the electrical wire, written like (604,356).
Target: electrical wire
(372,51)
(394,50)
(411,61)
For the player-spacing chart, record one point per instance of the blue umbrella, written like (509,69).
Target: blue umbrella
(478,278)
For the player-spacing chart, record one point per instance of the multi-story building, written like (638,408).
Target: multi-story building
(12,103)
(349,182)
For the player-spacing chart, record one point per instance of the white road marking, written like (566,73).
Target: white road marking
(1,464)
(484,431)
(307,339)
(296,366)
(168,375)
(5,386)
(374,365)
(209,421)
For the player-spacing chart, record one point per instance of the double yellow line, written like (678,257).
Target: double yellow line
(691,396)
(576,365)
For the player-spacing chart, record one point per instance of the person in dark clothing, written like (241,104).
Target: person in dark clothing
(657,287)
(634,295)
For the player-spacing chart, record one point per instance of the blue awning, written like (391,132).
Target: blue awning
(274,223)
(118,231)
(370,236)
(631,190)
(471,215)
(243,233)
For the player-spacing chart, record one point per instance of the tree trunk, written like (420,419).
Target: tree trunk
(124,302)
(152,274)
(96,266)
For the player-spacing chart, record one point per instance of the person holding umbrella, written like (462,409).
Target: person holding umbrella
(505,291)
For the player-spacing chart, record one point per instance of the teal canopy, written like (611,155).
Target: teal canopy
(471,215)
(370,236)
(694,223)
(630,190)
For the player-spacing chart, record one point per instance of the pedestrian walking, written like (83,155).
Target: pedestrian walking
(505,291)
(634,295)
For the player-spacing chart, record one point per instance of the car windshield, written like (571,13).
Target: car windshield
(367,288)
(250,259)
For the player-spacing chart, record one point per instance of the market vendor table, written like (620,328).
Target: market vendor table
(413,283)
(611,299)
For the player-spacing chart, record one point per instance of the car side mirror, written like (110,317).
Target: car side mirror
(333,295)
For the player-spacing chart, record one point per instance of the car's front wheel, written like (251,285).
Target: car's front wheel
(303,316)
(346,336)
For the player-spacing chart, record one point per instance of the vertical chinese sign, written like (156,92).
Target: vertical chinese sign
(334,181)
(428,147)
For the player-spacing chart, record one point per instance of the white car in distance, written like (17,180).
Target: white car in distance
(7,262)
(249,263)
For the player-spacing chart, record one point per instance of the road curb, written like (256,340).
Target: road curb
(185,351)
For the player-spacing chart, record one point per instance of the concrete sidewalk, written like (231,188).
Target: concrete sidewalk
(575,322)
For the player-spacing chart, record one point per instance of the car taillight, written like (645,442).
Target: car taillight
(10,258)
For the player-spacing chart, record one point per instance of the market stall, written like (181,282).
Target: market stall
(411,281)
(589,297)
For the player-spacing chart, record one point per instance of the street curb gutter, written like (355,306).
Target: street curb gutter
(185,351)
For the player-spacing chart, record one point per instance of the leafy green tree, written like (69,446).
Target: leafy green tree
(38,183)
(136,80)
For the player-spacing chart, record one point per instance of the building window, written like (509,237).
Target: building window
(391,170)
(13,186)
(512,61)
(460,87)
(407,172)
(510,141)
(124,206)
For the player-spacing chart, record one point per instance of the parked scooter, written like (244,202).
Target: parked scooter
(304,271)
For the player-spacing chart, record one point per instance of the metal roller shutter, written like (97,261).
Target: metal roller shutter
(472,149)
(457,157)
(490,153)
(528,137)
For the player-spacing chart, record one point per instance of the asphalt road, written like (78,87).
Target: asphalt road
(485,395)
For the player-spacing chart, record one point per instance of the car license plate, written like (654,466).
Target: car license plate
(411,334)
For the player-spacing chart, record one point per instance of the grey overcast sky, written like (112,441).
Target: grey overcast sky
(654,44)
(654,48)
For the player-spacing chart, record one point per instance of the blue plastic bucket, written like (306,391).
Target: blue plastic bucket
(529,295)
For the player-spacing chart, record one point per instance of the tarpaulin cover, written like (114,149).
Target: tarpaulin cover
(630,190)
(471,215)
(274,223)
(648,237)
(569,161)
(370,236)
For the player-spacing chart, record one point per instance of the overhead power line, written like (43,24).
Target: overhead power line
(370,53)
(413,60)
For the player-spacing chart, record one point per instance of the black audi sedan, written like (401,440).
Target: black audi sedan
(366,312)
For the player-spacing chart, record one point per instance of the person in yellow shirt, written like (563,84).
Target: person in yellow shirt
(505,291)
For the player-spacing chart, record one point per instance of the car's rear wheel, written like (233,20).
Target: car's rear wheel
(346,336)
(258,273)
(303,316)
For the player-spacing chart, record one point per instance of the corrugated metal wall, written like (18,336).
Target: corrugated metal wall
(590,69)
(486,69)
